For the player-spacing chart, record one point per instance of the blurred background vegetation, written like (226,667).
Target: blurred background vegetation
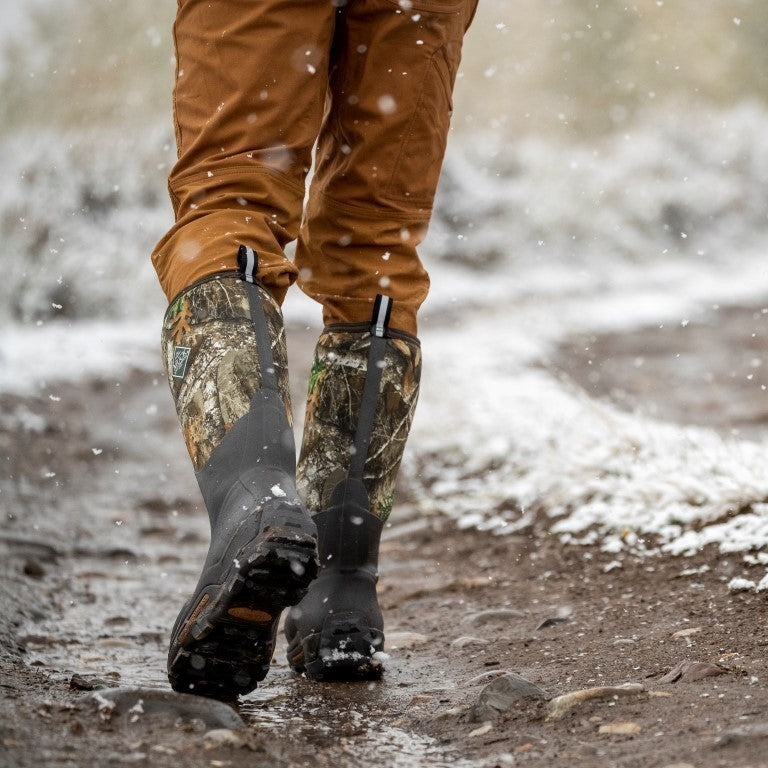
(585,67)
(88,64)
(565,67)
(585,131)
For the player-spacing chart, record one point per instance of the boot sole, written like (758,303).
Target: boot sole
(344,651)
(226,642)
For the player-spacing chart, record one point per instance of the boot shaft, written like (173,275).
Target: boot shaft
(224,344)
(336,386)
(348,534)
(213,359)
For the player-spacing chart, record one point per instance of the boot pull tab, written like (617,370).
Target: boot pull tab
(248,264)
(382,309)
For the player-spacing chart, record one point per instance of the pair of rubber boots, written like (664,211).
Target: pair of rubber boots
(225,353)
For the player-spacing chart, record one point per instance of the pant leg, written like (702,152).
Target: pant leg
(249,96)
(379,156)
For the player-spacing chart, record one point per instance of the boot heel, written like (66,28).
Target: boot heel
(345,649)
(290,520)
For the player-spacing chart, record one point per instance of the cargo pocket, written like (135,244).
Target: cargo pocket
(417,169)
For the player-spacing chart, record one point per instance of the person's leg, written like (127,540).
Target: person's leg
(378,162)
(251,82)
(251,85)
(225,355)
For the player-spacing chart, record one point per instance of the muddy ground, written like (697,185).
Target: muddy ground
(103,531)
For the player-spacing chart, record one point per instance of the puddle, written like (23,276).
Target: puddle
(132,536)
(343,722)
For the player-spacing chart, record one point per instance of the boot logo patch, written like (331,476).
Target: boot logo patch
(180,360)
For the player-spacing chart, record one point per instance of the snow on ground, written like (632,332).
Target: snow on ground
(530,244)
(522,441)
(692,188)
(33,358)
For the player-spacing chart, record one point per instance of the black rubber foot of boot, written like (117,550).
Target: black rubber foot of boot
(227,635)
(345,650)
(337,631)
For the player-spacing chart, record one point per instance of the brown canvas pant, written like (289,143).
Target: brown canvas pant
(258,82)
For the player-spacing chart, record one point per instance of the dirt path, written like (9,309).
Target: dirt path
(711,372)
(101,538)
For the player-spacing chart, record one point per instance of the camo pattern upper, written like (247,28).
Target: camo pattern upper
(333,404)
(212,359)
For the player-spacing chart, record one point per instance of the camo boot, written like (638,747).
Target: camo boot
(362,395)
(225,354)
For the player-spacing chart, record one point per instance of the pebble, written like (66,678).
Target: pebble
(620,728)
(481,731)
(29,546)
(89,683)
(176,706)
(117,621)
(126,757)
(503,693)
(740,735)
(33,568)
(116,553)
(686,632)
(452,712)
(560,706)
(224,737)
(403,641)
(467,640)
(550,622)
(162,749)
(484,676)
(115,642)
(679,765)
(488,617)
(688,671)
(39,640)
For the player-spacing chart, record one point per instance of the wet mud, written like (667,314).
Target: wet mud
(711,370)
(101,539)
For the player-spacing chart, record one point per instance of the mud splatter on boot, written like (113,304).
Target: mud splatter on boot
(224,349)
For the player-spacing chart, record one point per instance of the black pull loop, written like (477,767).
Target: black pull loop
(248,263)
(382,309)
